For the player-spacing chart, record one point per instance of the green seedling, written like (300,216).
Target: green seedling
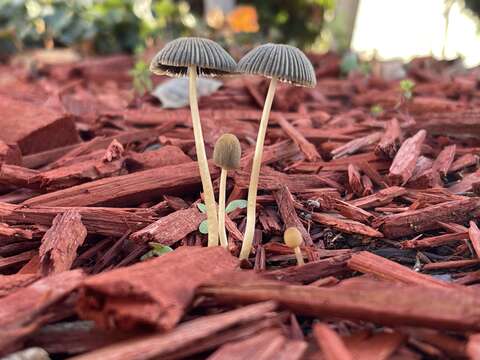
(407,87)
(157,250)
(278,63)
(376,110)
(293,239)
(233,205)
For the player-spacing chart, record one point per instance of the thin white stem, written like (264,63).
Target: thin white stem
(221,209)
(299,256)
(257,163)
(202,160)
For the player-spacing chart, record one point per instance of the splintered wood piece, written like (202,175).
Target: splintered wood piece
(353,212)
(463,162)
(345,225)
(369,263)
(166,155)
(444,160)
(60,243)
(155,292)
(269,344)
(355,145)
(405,160)
(11,283)
(286,207)
(378,346)
(466,184)
(273,180)
(184,335)
(17,176)
(418,221)
(131,189)
(10,154)
(171,228)
(21,312)
(434,241)
(380,198)
(30,125)
(474,234)
(473,346)
(384,303)
(311,271)
(355,180)
(7,262)
(306,147)
(98,220)
(453,264)
(390,141)
(77,173)
(332,345)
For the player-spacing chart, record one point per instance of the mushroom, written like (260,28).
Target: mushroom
(226,155)
(192,57)
(280,63)
(293,239)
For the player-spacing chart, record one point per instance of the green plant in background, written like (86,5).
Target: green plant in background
(140,73)
(376,110)
(294,22)
(233,205)
(103,26)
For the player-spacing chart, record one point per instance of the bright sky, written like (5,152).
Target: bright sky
(407,28)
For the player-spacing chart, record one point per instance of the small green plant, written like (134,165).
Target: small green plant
(376,110)
(157,250)
(233,205)
(140,73)
(407,87)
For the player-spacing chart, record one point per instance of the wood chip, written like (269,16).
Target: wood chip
(405,160)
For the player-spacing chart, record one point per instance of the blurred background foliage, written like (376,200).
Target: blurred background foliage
(112,26)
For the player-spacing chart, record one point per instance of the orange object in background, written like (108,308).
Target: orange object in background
(243,19)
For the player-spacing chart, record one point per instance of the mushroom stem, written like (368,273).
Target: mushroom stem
(257,163)
(202,160)
(299,256)
(221,208)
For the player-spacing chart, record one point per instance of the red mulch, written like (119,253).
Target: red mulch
(386,202)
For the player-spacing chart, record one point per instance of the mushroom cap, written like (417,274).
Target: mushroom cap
(227,152)
(292,237)
(285,62)
(177,55)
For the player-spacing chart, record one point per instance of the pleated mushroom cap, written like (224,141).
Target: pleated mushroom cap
(285,62)
(227,152)
(177,55)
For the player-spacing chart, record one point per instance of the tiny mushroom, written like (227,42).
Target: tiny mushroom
(293,239)
(279,63)
(226,155)
(191,57)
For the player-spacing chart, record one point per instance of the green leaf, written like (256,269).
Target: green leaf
(203,228)
(202,208)
(158,250)
(236,204)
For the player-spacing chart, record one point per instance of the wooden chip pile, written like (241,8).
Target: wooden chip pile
(384,190)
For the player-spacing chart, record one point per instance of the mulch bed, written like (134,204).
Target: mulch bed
(386,202)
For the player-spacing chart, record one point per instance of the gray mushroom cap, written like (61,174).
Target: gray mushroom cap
(285,62)
(177,55)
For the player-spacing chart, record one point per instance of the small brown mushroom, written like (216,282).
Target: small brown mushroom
(226,155)
(293,239)
(280,63)
(192,57)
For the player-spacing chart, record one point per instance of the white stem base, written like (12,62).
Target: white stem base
(221,209)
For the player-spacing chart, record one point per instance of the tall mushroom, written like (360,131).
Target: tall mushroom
(194,57)
(279,63)
(226,155)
